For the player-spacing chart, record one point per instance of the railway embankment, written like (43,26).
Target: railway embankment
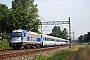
(78,52)
(25,54)
(83,53)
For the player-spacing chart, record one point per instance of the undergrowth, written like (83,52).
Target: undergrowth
(4,44)
(61,54)
(83,54)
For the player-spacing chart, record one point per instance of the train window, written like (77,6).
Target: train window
(16,34)
(58,40)
(48,39)
(45,38)
(61,41)
(41,36)
(53,39)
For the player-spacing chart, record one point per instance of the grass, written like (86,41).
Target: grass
(40,57)
(60,54)
(80,52)
(83,54)
(4,44)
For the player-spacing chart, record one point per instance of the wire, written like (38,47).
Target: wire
(43,20)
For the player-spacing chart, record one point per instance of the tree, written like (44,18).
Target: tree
(65,34)
(88,37)
(5,17)
(56,31)
(24,15)
(81,39)
(84,38)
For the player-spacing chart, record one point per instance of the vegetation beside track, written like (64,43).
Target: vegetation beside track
(60,54)
(4,44)
(83,54)
(80,52)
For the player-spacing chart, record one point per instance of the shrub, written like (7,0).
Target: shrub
(4,44)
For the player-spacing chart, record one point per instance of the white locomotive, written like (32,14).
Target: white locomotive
(27,39)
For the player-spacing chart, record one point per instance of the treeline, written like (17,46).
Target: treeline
(57,32)
(84,38)
(22,15)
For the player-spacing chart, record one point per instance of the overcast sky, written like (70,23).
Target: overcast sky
(60,10)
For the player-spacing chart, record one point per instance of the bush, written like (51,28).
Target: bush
(40,57)
(4,44)
(6,36)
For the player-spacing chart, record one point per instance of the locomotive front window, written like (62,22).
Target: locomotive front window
(16,34)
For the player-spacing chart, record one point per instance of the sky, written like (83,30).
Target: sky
(60,10)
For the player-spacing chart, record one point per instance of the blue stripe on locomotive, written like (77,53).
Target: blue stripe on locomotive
(10,36)
(23,33)
(28,38)
(38,39)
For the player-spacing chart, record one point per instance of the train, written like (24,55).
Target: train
(26,39)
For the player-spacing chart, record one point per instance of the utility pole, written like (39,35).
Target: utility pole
(41,27)
(70,32)
(73,35)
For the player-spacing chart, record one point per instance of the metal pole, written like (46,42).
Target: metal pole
(69,32)
(73,35)
(41,27)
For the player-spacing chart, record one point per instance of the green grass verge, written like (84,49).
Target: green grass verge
(40,57)
(61,55)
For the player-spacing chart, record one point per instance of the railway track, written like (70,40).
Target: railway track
(4,54)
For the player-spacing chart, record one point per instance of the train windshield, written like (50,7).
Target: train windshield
(16,34)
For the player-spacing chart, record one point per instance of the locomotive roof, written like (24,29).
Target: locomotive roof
(33,33)
(18,30)
(26,31)
(47,36)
